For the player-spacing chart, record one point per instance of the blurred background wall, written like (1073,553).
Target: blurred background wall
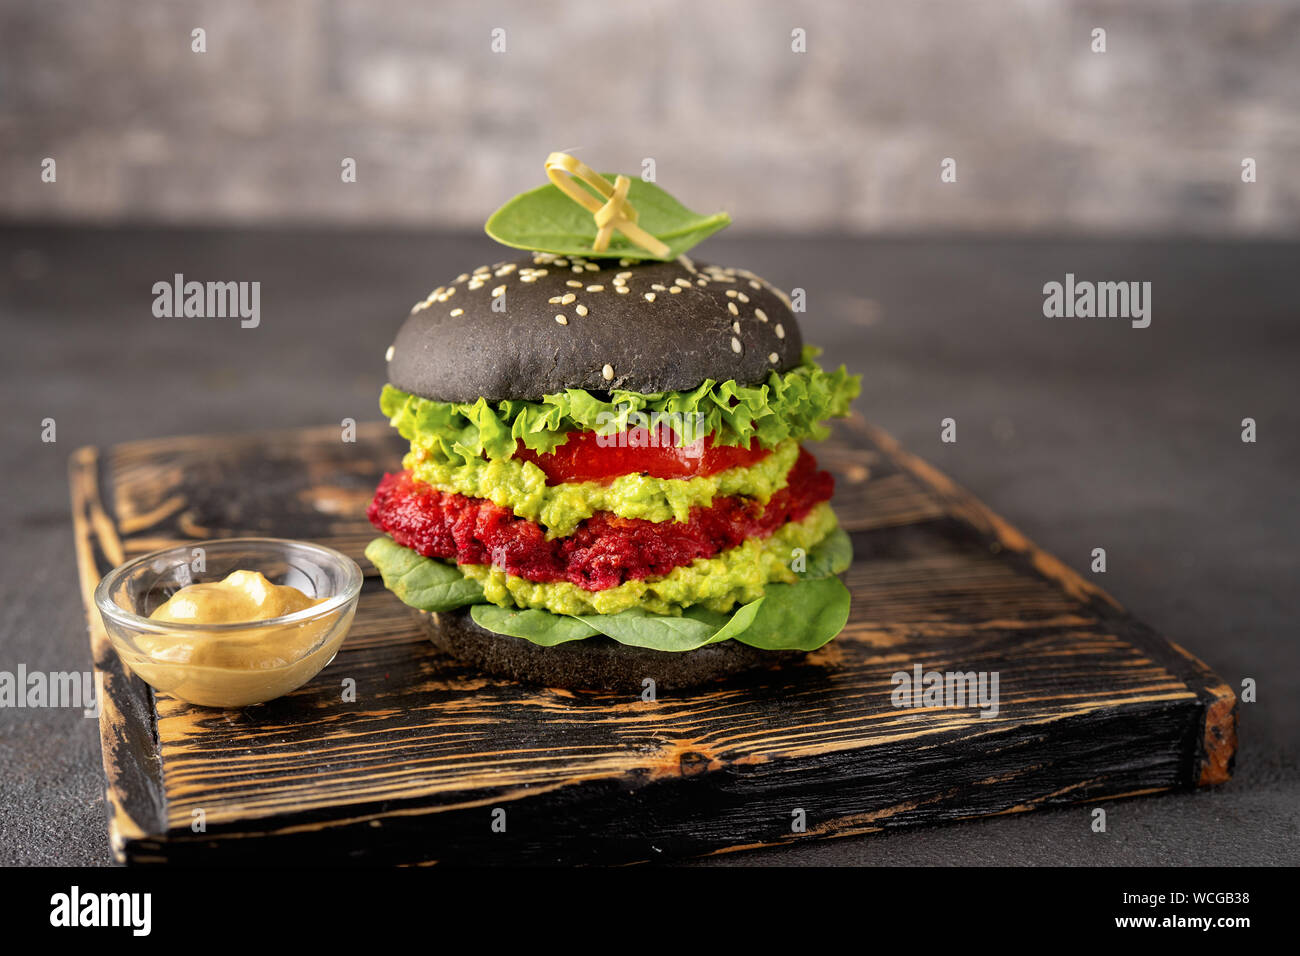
(1049,136)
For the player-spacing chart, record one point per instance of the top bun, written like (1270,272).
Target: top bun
(677,324)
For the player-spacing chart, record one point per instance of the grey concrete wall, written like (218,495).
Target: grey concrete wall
(1048,136)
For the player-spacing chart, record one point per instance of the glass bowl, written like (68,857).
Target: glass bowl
(229,665)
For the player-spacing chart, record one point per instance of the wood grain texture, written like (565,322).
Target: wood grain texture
(1094,705)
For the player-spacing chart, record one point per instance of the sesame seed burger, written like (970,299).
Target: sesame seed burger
(607,483)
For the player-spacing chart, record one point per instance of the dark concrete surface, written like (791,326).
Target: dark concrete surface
(1084,433)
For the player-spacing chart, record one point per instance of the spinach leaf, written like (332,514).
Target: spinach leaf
(546,220)
(730,624)
(662,632)
(831,555)
(799,617)
(540,627)
(421,582)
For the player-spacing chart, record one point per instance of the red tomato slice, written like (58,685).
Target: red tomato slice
(587,456)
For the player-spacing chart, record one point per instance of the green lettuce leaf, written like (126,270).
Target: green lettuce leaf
(792,404)
(419,581)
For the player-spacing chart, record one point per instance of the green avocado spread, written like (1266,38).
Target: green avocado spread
(521,486)
(734,576)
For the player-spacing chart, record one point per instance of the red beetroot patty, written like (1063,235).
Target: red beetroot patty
(604,551)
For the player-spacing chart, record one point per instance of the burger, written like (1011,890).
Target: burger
(608,486)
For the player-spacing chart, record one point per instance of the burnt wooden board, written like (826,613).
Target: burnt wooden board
(1094,705)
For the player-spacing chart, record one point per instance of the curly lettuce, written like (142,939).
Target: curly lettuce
(789,405)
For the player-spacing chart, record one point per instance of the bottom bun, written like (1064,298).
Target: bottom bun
(594,663)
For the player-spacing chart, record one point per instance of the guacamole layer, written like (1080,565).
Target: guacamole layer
(734,576)
(521,486)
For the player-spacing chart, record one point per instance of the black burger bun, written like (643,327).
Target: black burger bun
(595,663)
(678,324)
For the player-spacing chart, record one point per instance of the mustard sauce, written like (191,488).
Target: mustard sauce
(233,668)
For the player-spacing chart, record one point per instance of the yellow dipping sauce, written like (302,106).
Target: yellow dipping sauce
(233,668)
